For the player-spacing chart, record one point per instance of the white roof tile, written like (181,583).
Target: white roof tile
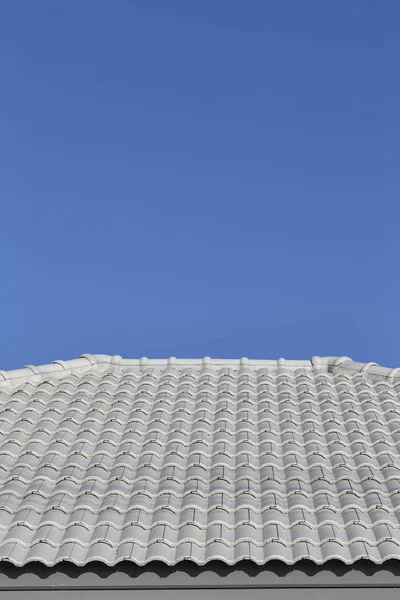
(108,459)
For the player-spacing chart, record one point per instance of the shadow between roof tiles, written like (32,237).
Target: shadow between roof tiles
(247,568)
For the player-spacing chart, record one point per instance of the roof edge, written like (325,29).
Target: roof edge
(332,364)
(351,366)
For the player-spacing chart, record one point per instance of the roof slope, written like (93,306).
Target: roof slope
(109,459)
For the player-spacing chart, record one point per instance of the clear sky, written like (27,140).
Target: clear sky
(199,178)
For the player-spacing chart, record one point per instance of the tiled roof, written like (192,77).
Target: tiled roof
(109,459)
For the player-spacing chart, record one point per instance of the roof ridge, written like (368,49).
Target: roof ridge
(86,362)
(372,368)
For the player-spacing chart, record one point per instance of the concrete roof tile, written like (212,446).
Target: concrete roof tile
(108,459)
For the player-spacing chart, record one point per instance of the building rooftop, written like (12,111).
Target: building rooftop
(110,459)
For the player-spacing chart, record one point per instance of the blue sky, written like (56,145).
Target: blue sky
(199,178)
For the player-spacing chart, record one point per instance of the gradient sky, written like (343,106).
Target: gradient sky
(199,178)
